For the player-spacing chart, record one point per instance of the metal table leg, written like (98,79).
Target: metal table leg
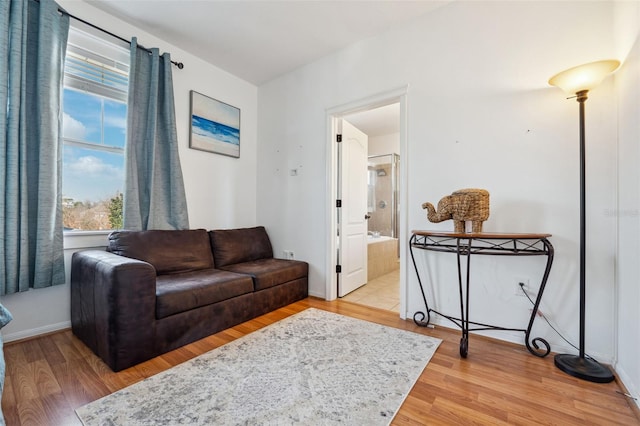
(535,350)
(464,298)
(419,316)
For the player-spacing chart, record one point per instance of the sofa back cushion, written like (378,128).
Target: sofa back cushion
(168,251)
(232,246)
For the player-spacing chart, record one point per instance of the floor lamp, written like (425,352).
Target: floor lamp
(578,81)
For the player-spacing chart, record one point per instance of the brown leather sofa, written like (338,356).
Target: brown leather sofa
(154,291)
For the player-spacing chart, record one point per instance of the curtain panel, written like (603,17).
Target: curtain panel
(154,196)
(33,39)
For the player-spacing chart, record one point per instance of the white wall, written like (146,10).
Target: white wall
(480,114)
(221,191)
(628,212)
(384,144)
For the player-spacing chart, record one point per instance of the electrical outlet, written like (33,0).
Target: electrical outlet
(288,254)
(521,283)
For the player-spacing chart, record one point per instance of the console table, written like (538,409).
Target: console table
(464,245)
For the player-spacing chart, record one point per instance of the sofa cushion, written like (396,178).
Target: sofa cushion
(271,272)
(240,245)
(177,293)
(168,251)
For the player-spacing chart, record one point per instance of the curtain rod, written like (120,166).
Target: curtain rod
(180,65)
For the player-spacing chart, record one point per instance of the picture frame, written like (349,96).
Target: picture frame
(214,126)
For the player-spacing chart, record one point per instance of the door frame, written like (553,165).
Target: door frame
(398,95)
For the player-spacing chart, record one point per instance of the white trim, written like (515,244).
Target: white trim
(398,95)
(374,101)
(628,384)
(403,216)
(85,239)
(93,145)
(331,290)
(34,332)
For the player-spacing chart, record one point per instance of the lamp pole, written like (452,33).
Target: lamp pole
(581,97)
(579,366)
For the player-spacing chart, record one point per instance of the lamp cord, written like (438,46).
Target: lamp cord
(552,327)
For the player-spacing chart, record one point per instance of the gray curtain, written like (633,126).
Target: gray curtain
(154,195)
(33,40)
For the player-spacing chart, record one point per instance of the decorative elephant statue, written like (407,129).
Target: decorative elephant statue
(465,204)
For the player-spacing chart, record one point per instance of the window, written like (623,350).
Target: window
(96,77)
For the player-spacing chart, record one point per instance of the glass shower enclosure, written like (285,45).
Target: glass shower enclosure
(382,195)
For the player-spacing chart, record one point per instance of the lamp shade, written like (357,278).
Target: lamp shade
(584,77)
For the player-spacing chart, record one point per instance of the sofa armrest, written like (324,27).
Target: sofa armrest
(113,301)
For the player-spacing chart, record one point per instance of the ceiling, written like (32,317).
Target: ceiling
(379,121)
(260,40)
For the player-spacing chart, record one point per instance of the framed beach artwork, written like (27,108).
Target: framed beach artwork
(215,126)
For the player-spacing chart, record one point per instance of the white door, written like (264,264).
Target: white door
(353,223)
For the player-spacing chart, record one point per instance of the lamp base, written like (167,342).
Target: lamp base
(583,368)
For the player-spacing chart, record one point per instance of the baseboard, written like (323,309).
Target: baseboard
(629,388)
(27,334)
(318,295)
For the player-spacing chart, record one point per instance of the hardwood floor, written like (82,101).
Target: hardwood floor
(499,383)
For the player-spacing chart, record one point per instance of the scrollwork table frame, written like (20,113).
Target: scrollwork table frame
(464,245)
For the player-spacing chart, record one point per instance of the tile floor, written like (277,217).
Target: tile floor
(382,292)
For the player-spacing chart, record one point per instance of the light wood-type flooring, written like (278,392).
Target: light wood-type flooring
(499,383)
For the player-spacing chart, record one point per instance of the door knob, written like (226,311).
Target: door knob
(367,216)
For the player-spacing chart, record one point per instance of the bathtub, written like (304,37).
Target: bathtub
(382,256)
(372,240)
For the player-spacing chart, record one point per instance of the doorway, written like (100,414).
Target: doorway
(382,118)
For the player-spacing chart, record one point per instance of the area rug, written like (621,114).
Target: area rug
(313,368)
